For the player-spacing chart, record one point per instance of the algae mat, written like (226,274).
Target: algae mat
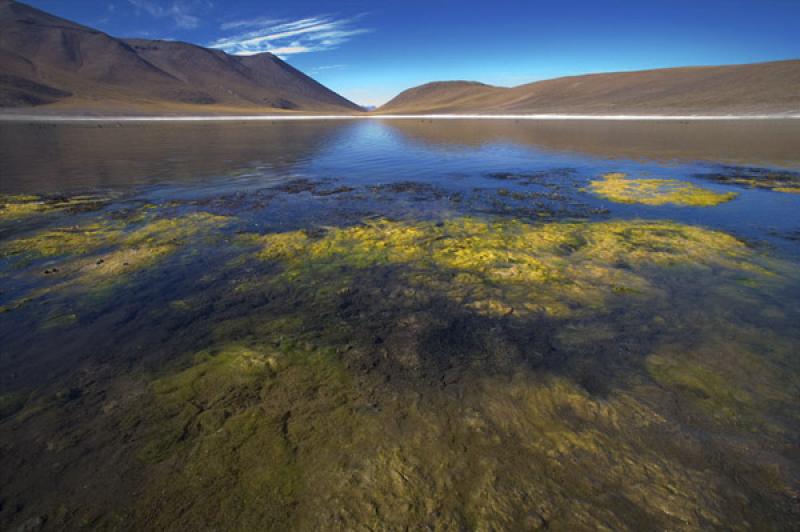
(502,352)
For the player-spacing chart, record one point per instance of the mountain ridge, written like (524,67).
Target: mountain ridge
(770,88)
(49,61)
(57,66)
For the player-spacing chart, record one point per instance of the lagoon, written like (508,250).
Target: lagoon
(452,324)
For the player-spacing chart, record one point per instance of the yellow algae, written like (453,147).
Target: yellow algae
(15,207)
(65,241)
(622,189)
(500,267)
(96,256)
(86,238)
(769,180)
(166,231)
(280,245)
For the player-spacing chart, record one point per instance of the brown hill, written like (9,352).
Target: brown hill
(742,89)
(46,60)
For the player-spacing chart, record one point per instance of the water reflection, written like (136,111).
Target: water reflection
(769,143)
(53,158)
(41,157)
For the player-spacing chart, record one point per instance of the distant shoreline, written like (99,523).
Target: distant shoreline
(282,117)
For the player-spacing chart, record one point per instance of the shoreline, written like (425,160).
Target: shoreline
(274,118)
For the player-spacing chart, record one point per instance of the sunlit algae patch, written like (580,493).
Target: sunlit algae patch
(95,255)
(17,207)
(505,266)
(622,189)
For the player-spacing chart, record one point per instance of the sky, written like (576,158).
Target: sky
(370,50)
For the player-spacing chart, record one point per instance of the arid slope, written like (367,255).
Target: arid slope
(49,61)
(762,88)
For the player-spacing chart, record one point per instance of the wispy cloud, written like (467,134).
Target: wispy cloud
(327,67)
(282,38)
(248,23)
(179,11)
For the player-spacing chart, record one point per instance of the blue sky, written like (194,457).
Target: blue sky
(371,50)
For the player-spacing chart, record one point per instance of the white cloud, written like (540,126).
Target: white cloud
(282,38)
(327,67)
(177,10)
(249,23)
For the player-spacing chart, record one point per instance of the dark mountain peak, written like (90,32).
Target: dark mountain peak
(13,11)
(45,59)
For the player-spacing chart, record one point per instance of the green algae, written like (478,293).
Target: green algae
(443,463)
(509,266)
(202,385)
(268,427)
(11,403)
(565,447)
(275,436)
(280,419)
(236,422)
(622,189)
(721,398)
(735,375)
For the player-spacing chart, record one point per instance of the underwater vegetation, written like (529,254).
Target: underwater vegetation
(761,178)
(93,256)
(259,370)
(17,207)
(620,188)
(507,266)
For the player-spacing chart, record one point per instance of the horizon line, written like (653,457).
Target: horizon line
(13,117)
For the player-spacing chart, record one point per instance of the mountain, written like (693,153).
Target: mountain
(48,61)
(743,89)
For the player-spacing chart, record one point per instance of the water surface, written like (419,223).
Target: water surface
(388,324)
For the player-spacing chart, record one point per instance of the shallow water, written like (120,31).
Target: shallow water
(388,324)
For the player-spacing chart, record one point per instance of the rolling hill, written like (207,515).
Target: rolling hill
(48,61)
(762,88)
